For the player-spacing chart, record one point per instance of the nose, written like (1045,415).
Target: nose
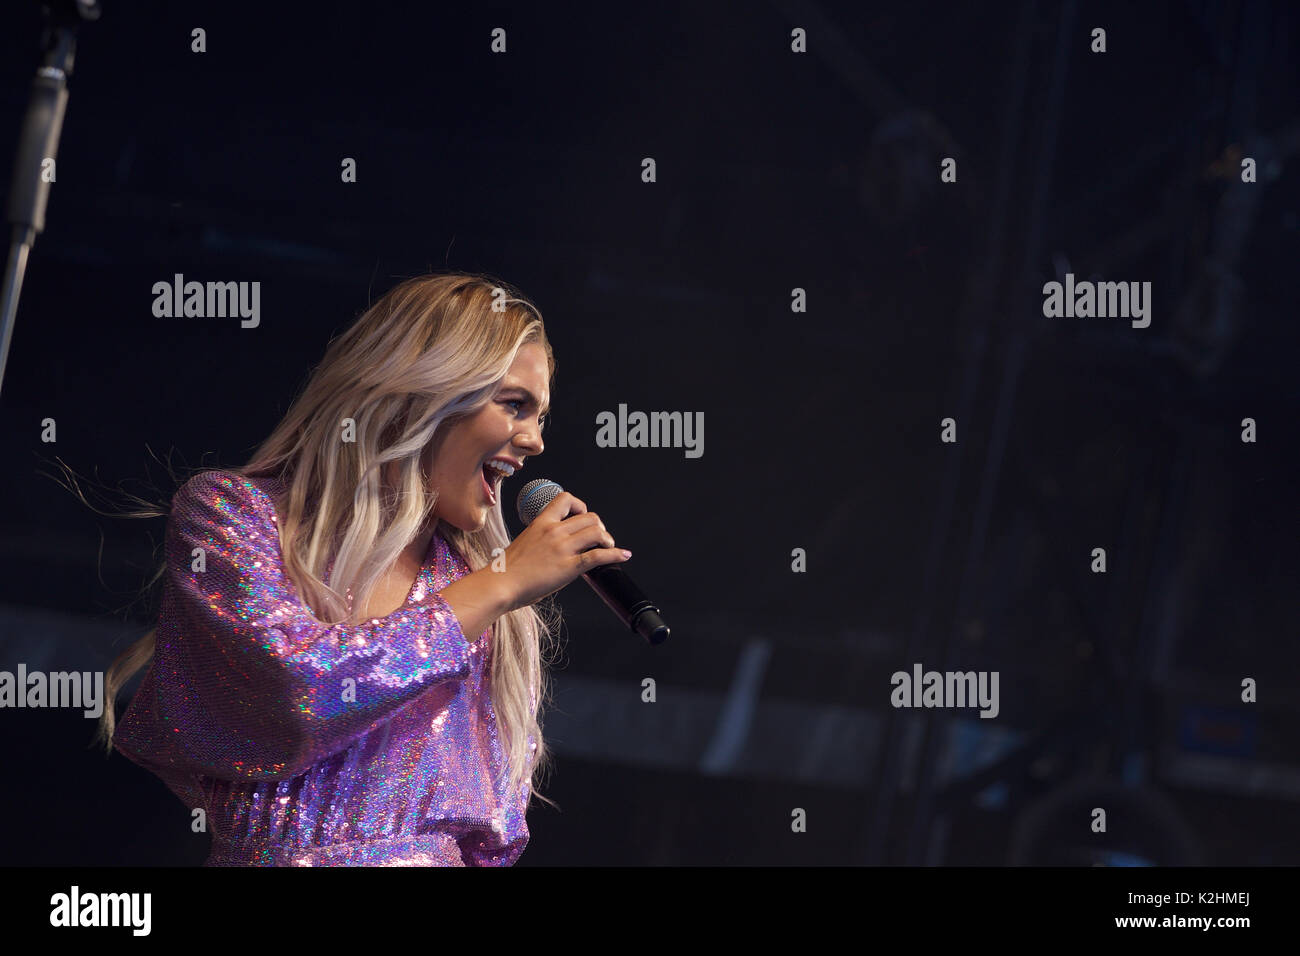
(529,441)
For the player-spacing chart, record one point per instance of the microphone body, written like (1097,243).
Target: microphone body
(610,582)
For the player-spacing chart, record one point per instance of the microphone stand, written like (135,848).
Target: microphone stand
(39,141)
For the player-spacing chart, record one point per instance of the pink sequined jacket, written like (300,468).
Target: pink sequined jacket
(355,745)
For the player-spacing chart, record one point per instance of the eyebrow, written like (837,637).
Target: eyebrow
(527,394)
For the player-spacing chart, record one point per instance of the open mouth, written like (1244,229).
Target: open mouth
(492,478)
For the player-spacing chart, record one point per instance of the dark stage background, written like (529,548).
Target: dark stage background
(775,171)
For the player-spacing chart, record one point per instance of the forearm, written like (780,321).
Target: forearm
(478,599)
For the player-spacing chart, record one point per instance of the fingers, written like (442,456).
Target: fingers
(563,505)
(572,514)
(592,535)
(586,522)
(585,536)
(600,556)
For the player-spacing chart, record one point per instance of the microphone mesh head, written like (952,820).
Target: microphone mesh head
(535,496)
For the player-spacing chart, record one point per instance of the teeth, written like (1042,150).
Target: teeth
(502,467)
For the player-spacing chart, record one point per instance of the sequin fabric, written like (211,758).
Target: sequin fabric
(356,745)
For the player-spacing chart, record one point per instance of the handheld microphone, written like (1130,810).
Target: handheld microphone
(609,581)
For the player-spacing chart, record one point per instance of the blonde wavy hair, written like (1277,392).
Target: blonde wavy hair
(429,353)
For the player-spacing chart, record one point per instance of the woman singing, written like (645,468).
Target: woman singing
(346,666)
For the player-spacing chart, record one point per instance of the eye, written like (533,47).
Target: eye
(541,419)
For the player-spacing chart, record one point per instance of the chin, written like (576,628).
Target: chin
(472,522)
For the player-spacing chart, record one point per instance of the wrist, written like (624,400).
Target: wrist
(498,586)
(478,599)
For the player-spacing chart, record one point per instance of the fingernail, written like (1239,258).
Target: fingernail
(627,554)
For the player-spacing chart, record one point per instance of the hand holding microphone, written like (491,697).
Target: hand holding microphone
(562,540)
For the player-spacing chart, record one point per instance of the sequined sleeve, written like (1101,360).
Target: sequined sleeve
(248,684)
